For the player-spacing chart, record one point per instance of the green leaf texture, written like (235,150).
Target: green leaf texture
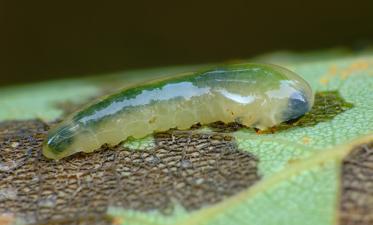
(300,167)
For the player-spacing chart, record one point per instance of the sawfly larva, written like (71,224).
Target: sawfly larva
(255,95)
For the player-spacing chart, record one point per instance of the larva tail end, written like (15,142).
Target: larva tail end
(49,153)
(59,142)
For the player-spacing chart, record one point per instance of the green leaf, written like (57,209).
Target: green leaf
(299,165)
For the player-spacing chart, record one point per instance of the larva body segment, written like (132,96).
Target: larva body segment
(256,95)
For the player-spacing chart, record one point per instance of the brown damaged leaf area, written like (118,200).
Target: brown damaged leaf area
(356,206)
(193,169)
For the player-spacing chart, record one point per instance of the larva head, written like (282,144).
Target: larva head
(60,141)
(298,105)
(296,93)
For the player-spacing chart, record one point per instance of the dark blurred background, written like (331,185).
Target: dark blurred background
(52,39)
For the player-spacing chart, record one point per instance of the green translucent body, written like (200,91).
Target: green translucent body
(256,95)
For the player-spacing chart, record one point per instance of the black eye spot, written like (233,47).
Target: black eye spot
(298,105)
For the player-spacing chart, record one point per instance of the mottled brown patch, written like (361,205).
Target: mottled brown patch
(190,168)
(356,204)
(225,127)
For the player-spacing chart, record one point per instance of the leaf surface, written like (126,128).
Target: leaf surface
(300,166)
